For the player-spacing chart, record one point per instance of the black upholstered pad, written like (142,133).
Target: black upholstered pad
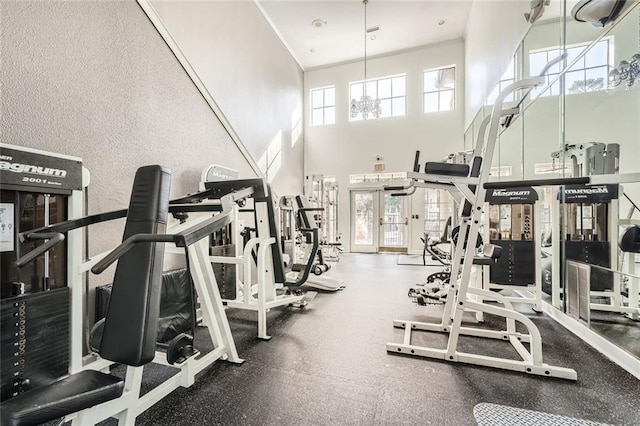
(630,240)
(131,325)
(447,169)
(490,253)
(66,396)
(176,305)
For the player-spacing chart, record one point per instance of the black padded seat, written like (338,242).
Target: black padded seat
(630,240)
(446,169)
(490,253)
(176,305)
(176,308)
(69,395)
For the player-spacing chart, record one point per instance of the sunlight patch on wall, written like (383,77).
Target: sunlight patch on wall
(296,125)
(274,157)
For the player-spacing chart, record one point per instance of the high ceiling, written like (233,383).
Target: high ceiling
(338,36)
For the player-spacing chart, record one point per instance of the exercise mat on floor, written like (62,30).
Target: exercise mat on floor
(501,415)
(415,260)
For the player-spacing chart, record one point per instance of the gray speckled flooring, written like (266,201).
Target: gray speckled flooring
(327,364)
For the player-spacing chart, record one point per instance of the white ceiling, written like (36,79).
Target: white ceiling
(403,25)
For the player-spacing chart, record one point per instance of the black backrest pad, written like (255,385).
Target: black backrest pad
(476,164)
(308,221)
(176,305)
(276,249)
(447,169)
(132,319)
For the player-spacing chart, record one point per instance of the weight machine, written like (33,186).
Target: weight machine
(590,227)
(307,220)
(39,329)
(271,287)
(513,224)
(324,195)
(150,191)
(467,185)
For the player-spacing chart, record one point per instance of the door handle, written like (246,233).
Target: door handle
(406,220)
(380,221)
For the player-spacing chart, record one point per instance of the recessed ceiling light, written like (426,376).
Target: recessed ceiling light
(312,50)
(441,22)
(318,23)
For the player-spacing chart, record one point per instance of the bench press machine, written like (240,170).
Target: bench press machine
(466,185)
(88,396)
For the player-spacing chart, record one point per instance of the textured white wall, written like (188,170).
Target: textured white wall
(250,74)
(96,80)
(347,147)
(494,31)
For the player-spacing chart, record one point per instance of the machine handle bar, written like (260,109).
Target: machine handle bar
(182,239)
(183,204)
(127,245)
(53,237)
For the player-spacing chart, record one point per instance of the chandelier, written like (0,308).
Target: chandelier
(627,71)
(365,106)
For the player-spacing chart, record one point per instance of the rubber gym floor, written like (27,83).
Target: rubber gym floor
(327,365)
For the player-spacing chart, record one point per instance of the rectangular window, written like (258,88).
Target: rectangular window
(500,171)
(588,74)
(323,106)
(378,177)
(391,91)
(439,89)
(554,167)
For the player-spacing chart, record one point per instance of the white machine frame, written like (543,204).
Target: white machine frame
(131,404)
(261,293)
(460,294)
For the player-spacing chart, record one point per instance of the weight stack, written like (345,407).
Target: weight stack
(516,265)
(225,273)
(34,349)
(289,248)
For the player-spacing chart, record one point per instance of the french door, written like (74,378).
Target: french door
(379,222)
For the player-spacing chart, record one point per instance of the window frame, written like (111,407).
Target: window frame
(552,75)
(440,91)
(390,98)
(324,106)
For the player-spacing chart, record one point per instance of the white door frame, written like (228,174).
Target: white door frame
(364,248)
(406,209)
(378,204)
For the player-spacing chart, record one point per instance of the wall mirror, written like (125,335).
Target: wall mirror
(583,121)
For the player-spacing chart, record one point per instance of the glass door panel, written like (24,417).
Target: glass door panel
(393,223)
(364,216)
